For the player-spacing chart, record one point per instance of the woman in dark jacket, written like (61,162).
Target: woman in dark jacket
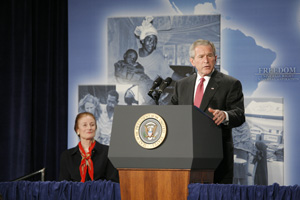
(89,159)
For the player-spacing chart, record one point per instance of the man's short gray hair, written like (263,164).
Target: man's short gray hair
(199,43)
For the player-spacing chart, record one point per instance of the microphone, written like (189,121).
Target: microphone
(156,83)
(164,84)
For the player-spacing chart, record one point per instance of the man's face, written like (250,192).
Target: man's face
(204,60)
(112,101)
(149,43)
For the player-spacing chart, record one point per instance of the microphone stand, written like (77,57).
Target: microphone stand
(165,83)
(156,97)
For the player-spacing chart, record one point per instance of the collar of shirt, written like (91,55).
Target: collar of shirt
(75,150)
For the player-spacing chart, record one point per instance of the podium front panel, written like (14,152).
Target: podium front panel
(185,147)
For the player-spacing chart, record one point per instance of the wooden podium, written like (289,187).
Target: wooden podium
(160,183)
(190,152)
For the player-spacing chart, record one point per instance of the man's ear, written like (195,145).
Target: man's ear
(192,61)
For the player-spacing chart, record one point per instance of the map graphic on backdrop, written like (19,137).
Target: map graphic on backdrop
(140,49)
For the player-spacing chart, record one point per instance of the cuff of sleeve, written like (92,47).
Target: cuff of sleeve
(226,121)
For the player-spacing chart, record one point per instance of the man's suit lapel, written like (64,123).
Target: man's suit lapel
(210,90)
(190,86)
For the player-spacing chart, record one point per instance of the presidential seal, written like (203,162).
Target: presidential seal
(150,131)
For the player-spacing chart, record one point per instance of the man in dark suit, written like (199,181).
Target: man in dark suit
(222,99)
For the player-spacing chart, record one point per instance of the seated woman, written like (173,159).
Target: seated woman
(89,159)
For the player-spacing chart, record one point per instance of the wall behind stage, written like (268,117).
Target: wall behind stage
(260,45)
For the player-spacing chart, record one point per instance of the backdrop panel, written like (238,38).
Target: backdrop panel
(259,49)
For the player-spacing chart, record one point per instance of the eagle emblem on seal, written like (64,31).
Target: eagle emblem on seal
(150,129)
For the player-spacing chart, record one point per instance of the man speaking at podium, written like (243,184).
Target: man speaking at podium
(218,95)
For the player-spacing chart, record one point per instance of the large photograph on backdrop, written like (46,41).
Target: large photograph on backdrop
(259,143)
(100,100)
(141,49)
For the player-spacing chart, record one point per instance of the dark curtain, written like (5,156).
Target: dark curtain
(34,86)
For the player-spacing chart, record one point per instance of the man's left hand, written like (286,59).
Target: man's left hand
(219,115)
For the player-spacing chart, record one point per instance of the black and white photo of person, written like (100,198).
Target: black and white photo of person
(153,60)
(129,71)
(265,119)
(150,57)
(100,100)
(260,164)
(106,117)
(160,43)
(243,152)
